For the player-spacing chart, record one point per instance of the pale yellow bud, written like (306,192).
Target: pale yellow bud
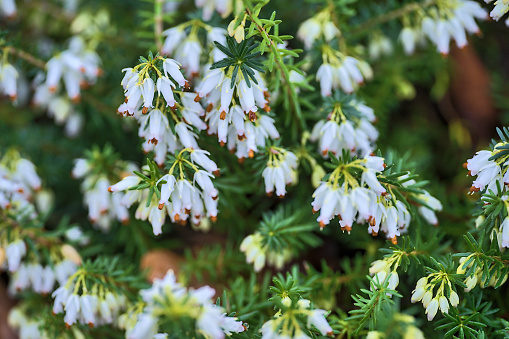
(377,266)
(238,32)
(470,282)
(286,301)
(413,332)
(317,175)
(375,335)
(71,254)
(478,222)
(454,299)
(2,256)
(422,282)
(418,294)
(444,304)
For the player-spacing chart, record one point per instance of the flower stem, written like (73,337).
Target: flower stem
(25,56)
(370,24)
(158,23)
(279,62)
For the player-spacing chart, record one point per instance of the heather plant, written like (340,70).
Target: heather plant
(241,168)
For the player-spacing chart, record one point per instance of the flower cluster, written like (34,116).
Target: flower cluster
(140,88)
(364,200)
(181,195)
(97,306)
(78,66)
(379,45)
(12,253)
(58,106)
(8,82)
(257,254)
(357,191)
(319,25)
(18,183)
(168,298)
(348,126)
(41,279)
(492,178)
(441,24)
(279,171)
(386,269)
(445,294)
(233,97)
(28,327)
(222,89)
(285,324)
(490,172)
(99,170)
(164,130)
(341,71)
(478,276)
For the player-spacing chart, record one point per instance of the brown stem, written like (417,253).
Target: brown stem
(368,25)
(26,56)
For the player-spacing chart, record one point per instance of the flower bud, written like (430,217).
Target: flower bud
(444,304)
(427,298)
(432,309)
(71,254)
(470,282)
(454,299)
(317,175)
